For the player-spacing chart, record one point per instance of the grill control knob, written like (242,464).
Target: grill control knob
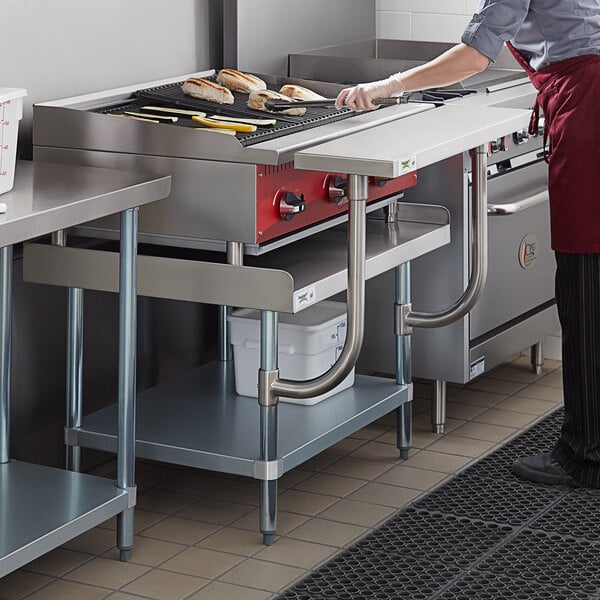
(521,137)
(290,205)
(338,190)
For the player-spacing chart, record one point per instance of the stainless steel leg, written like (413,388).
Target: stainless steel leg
(438,406)
(74,371)
(403,364)
(537,358)
(235,256)
(127,365)
(268,428)
(6,254)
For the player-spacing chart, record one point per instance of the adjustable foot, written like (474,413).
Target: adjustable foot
(125,554)
(404,453)
(268,539)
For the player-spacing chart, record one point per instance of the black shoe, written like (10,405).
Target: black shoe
(543,469)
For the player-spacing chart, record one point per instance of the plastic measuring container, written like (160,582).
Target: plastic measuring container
(11,112)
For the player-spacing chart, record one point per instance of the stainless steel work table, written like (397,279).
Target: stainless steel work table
(197,419)
(43,507)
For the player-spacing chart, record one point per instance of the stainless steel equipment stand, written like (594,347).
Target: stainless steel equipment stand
(41,507)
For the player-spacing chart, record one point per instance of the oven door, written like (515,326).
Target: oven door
(520,262)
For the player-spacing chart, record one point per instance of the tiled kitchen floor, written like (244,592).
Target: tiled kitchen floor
(197,531)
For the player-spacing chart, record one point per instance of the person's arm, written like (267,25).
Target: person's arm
(454,65)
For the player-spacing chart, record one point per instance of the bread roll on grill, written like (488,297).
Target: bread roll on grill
(257,100)
(297,92)
(207,90)
(240,82)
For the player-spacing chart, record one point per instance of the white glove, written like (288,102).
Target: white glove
(361,97)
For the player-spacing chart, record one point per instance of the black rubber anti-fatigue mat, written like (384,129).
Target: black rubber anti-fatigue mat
(485,534)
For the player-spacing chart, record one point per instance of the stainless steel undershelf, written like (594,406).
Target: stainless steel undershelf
(42,507)
(197,420)
(275,281)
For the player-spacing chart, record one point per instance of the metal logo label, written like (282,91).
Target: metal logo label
(305,297)
(528,250)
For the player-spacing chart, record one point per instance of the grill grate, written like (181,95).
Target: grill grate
(172,95)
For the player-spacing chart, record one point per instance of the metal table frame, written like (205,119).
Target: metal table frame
(41,507)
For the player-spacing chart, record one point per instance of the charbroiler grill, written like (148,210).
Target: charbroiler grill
(228,189)
(229,195)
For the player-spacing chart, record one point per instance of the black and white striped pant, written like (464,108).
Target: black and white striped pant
(578,301)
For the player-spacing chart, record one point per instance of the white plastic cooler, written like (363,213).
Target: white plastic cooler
(309,344)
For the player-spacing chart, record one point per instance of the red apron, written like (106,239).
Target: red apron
(569,96)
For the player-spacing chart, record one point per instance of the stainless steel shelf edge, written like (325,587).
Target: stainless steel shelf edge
(42,508)
(424,139)
(271,282)
(197,420)
(41,201)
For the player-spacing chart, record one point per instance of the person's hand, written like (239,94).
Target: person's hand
(361,96)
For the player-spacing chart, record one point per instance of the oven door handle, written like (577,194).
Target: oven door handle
(516,207)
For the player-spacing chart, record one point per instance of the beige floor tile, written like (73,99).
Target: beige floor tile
(485,431)
(226,591)
(151,474)
(143,520)
(408,477)
(18,584)
(68,590)
(330,485)
(263,575)
(147,551)
(476,397)
(420,439)
(349,466)
(378,451)
(94,541)
(321,461)
(296,553)
(163,501)
(357,513)
(195,482)
(286,521)
(215,511)
(106,573)
(243,491)
(333,533)
(180,531)
(553,379)
(165,585)
(200,562)
(452,444)
(515,372)
(526,405)
(57,562)
(304,503)
(370,432)
(437,461)
(505,418)
(346,446)
(542,392)
(496,386)
(294,477)
(122,596)
(465,412)
(386,495)
(234,541)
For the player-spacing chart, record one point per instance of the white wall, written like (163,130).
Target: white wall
(425,20)
(61,48)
